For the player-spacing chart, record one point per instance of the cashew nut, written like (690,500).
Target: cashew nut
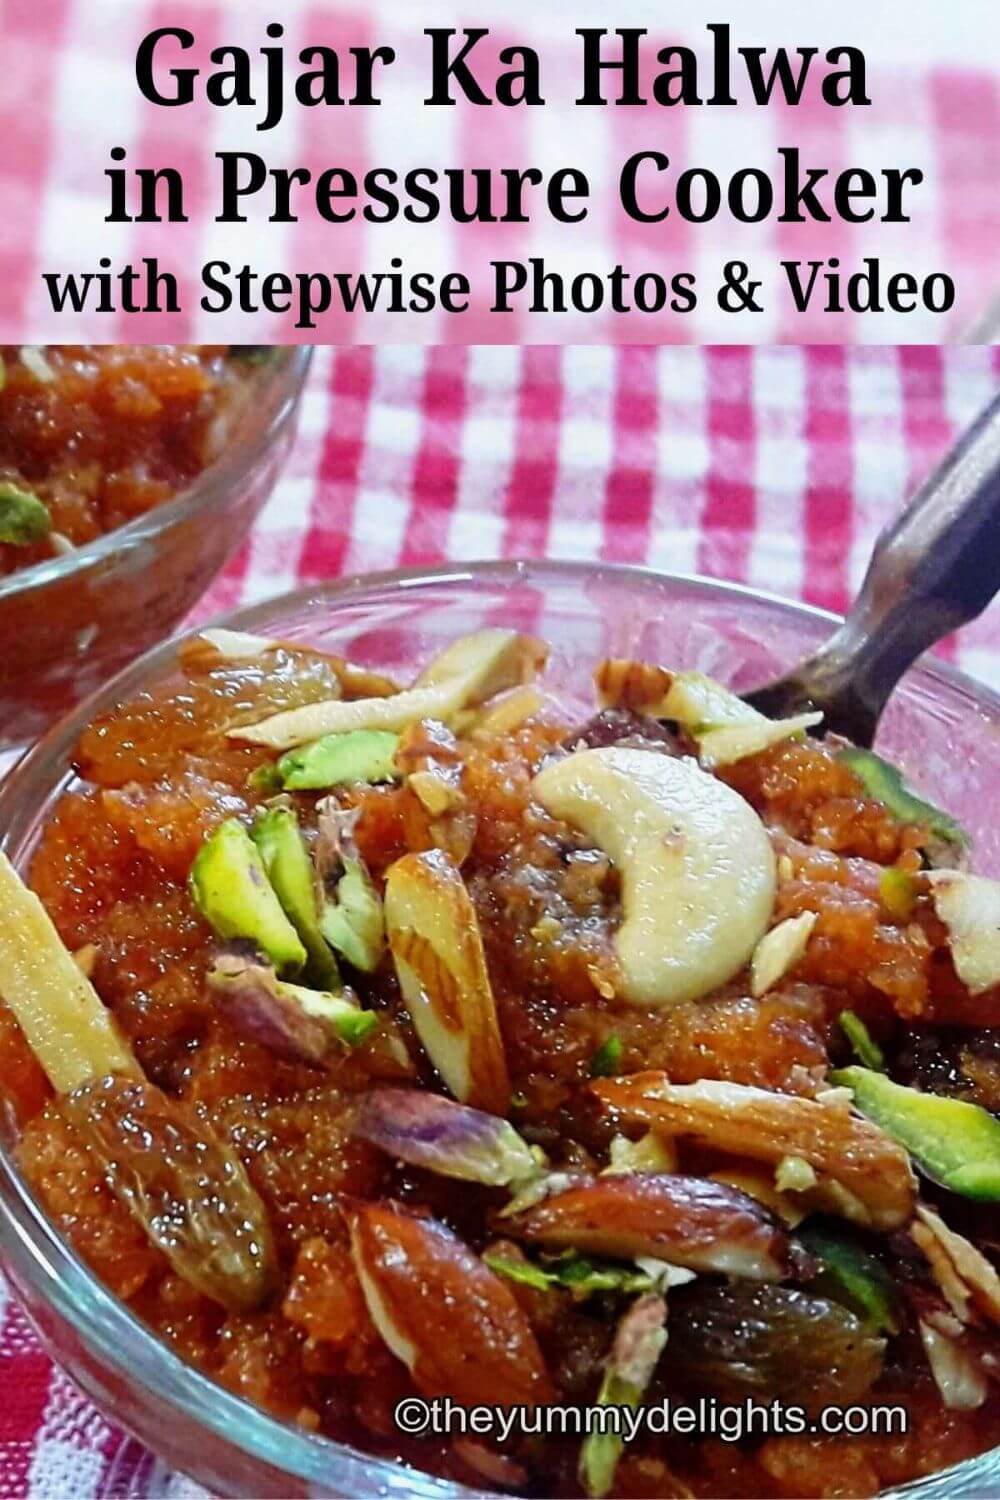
(696,865)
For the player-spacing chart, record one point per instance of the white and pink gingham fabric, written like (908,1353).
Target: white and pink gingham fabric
(69,95)
(775,467)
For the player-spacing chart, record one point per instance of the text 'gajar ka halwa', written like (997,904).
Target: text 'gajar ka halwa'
(94,435)
(373,1041)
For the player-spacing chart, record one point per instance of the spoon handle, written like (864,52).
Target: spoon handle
(935,567)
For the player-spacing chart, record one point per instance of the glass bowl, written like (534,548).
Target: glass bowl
(944,728)
(68,624)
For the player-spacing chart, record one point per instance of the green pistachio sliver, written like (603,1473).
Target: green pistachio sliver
(24,518)
(572,1273)
(607,1059)
(884,781)
(866,1049)
(525,1272)
(851,1276)
(898,892)
(638,1344)
(952,1142)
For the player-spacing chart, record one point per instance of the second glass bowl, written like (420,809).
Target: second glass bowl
(68,625)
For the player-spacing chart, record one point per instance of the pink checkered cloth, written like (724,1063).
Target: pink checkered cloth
(775,467)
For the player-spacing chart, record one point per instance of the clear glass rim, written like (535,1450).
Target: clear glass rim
(104,1325)
(278,393)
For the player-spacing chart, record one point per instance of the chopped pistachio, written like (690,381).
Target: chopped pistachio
(897,891)
(866,1049)
(954,1143)
(884,781)
(607,1059)
(794,1175)
(638,1344)
(573,1273)
(354,924)
(23,517)
(365,755)
(850,1275)
(288,1019)
(282,847)
(230,887)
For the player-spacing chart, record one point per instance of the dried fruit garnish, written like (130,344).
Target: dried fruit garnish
(71,1033)
(771,1341)
(705,1226)
(958,1375)
(471,669)
(865,1048)
(696,864)
(778,951)
(291,1021)
(639,686)
(849,1274)
(884,781)
(438,952)
(351,918)
(969,1282)
(230,887)
(969,906)
(23,517)
(187,1188)
(638,1344)
(435,1133)
(954,1143)
(862,1173)
(338,759)
(456,1326)
(286,860)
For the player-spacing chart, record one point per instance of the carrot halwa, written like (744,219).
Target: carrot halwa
(476,1053)
(92,436)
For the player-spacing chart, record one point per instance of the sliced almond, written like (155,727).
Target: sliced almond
(699,703)
(71,1032)
(863,1174)
(969,906)
(687,1221)
(507,712)
(728,743)
(438,952)
(957,1373)
(969,1282)
(488,661)
(639,686)
(779,951)
(456,1326)
(471,669)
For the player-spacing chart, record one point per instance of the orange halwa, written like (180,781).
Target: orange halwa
(158,774)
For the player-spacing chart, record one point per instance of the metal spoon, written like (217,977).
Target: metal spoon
(934,568)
